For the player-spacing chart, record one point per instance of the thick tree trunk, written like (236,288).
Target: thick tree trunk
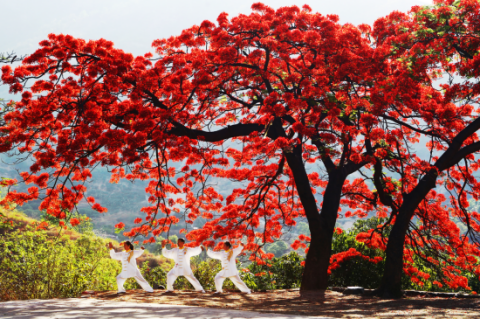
(393,268)
(321,225)
(315,275)
(391,282)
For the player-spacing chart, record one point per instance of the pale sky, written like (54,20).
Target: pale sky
(132,25)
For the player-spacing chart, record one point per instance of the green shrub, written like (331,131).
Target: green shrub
(357,271)
(205,272)
(36,266)
(287,271)
(279,273)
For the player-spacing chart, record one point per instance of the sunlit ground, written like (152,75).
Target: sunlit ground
(329,304)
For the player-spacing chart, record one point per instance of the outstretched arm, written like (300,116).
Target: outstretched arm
(138,252)
(238,250)
(195,251)
(214,254)
(113,254)
(166,252)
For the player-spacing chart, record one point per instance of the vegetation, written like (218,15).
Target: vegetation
(35,265)
(303,113)
(41,263)
(354,263)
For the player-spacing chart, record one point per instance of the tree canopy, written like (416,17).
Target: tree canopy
(310,116)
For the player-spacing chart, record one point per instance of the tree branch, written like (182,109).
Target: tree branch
(451,154)
(236,130)
(462,153)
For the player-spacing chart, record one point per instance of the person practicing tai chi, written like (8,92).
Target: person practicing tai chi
(129,266)
(229,269)
(181,257)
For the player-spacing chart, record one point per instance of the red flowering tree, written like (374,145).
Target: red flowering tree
(258,99)
(425,195)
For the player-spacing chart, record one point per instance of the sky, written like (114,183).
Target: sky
(132,25)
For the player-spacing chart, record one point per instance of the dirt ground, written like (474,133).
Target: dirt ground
(329,304)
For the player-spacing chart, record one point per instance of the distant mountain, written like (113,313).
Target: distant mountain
(125,199)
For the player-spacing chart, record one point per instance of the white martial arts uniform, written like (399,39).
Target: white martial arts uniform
(229,269)
(129,269)
(181,258)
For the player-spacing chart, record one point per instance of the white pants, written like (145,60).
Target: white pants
(140,280)
(219,281)
(172,277)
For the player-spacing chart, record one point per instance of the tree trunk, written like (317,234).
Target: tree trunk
(321,225)
(315,275)
(391,282)
(393,268)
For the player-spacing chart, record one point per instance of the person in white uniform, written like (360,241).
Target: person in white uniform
(181,257)
(129,266)
(229,269)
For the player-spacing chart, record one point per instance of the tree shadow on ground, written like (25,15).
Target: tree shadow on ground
(331,304)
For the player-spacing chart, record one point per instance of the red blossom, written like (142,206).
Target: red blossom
(260,103)
(74,222)
(120,225)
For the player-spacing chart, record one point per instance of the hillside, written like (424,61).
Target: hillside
(19,220)
(125,199)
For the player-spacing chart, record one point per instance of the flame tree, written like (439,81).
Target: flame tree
(261,99)
(424,195)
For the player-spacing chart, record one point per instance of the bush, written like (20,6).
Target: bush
(205,272)
(156,275)
(357,271)
(36,266)
(279,273)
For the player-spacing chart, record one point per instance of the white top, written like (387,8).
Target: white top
(228,266)
(181,258)
(129,269)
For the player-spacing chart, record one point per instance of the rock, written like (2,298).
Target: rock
(338,289)
(461,295)
(353,291)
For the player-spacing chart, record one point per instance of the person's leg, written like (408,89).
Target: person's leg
(143,283)
(240,284)
(219,281)
(120,283)
(191,278)
(171,277)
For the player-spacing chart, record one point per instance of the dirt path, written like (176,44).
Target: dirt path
(329,304)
